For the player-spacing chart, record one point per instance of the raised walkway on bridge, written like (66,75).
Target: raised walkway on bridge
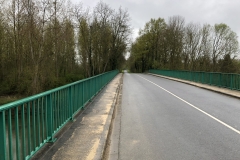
(226,91)
(85,138)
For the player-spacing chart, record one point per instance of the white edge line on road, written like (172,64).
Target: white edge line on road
(209,115)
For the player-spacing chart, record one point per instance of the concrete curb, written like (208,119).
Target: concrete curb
(224,91)
(114,139)
(107,128)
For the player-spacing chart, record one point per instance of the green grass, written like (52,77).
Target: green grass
(7,99)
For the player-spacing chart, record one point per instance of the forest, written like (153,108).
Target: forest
(48,43)
(176,45)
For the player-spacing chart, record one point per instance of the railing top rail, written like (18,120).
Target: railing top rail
(46,93)
(225,80)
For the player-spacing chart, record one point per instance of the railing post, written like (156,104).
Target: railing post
(219,79)
(83,93)
(3,154)
(50,119)
(91,89)
(70,104)
(221,84)
(23,132)
(210,78)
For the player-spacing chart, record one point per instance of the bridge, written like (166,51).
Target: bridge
(159,115)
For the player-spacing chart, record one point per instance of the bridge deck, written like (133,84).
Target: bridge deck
(168,120)
(85,138)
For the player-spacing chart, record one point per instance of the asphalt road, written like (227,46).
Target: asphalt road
(168,120)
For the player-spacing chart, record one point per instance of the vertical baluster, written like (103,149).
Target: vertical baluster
(237,81)
(42,120)
(3,154)
(95,82)
(46,116)
(38,123)
(87,90)
(76,93)
(65,105)
(49,123)
(33,125)
(53,105)
(23,132)
(83,85)
(91,88)
(10,133)
(81,94)
(74,98)
(60,108)
(55,110)
(70,101)
(29,127)
(78,96)
(17,134)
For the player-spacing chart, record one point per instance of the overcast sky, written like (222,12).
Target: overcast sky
(196,11)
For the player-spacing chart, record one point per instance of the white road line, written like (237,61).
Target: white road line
(209,115)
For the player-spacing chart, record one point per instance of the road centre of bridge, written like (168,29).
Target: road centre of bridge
(209,115)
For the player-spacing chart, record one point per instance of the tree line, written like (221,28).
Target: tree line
(48,43)
(176,45)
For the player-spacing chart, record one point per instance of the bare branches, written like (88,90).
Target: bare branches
(103,38)
(39,45)
(189,47)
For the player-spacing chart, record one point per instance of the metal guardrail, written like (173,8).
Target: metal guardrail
(224,80)
(27,124)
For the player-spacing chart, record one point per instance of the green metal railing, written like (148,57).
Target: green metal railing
(27,124)
(225,80)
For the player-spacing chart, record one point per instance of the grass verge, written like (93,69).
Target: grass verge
(8,99)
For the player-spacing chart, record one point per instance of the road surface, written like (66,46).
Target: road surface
(168,120)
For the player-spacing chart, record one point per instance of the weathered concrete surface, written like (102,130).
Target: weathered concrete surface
(112,150)
(86,137)
(225,91)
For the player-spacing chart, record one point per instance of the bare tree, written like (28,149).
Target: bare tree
(224,41)
(175,35)
(203,54)
(102,36)
(192,42)
(120,36)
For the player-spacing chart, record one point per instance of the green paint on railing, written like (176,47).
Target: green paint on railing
(2,136)
(224,80)
(27,124)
